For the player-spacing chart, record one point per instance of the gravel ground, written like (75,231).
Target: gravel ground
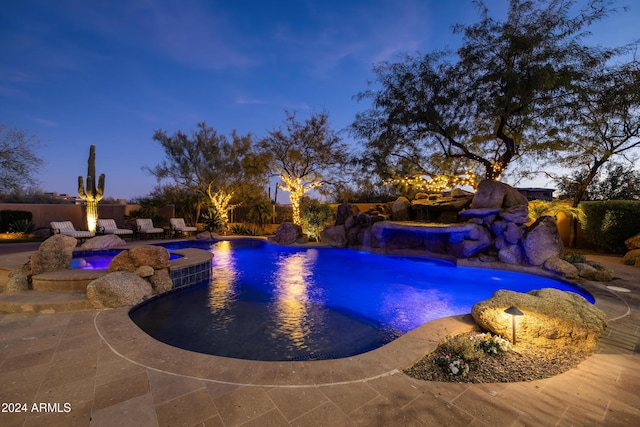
(522,364)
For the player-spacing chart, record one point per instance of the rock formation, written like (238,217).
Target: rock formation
(149,265)
(118,289)
(632,257)
(156,257)
(552,318)
(107,241)
(289,233)
(54,254)
(542,241)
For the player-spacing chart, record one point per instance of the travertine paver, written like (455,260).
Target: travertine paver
(53,359)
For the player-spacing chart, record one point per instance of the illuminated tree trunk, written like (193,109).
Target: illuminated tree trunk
(296,190)
(220,201)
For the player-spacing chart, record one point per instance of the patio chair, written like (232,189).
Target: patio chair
(108,226)
(67,228)
(145,226)
(178,226)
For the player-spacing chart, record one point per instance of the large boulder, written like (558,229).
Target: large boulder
(594,271)
(345,211)
(561,267)
(511,254)
(288,233)
(335,236)
(552,318)
(633,242)
(160,281)
(401,209)
(107,241)
(54,254)
(19,279)
(631,257)
(118,289)
(542,241)
(156,257)
(495,194)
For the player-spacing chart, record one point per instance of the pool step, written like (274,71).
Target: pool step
(32,301)
(71,280)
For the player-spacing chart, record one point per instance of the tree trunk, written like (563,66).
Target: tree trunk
(573,229)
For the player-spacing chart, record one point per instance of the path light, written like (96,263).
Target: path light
(513,311)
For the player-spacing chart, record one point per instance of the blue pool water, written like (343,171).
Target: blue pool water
(268,302)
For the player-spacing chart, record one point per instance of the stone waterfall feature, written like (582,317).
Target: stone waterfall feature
(489,225)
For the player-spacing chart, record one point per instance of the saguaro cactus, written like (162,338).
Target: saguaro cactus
(91,195)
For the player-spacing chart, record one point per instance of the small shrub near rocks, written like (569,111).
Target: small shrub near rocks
(477,357)
(456,353)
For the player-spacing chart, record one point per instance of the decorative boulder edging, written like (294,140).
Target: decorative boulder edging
(552,318)
(118,289)
(123,285)
(54,254)
(156,257)
(107,241)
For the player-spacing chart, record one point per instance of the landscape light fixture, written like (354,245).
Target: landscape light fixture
(513,311)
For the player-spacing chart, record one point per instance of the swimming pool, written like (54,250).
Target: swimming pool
(268,302)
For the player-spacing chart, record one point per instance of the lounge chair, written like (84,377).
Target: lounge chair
(108,226)
(145,226)
(178,226)
(67,228)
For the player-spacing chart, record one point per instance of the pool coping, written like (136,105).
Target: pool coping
(126,339)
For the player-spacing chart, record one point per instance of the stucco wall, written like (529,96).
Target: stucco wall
(44,214)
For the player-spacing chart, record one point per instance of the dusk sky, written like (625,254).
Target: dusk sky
(110,73)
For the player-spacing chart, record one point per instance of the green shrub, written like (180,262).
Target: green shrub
(21,226)
(8,217)
(211,220)
(608,224)
(315,216)
(243,230)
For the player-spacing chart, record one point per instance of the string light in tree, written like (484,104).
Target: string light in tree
(437,183)
(296,190)
(220,201)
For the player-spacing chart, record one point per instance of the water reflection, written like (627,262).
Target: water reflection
(293,285)
(225,271)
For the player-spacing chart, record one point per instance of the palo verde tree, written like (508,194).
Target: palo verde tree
(221,170)
(304,155)
(18,159)
(488,104)
(92,194)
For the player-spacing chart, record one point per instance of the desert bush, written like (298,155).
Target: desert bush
(315,217)
(608,224)
(8,217)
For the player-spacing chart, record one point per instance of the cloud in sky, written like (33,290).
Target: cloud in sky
(109,73)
